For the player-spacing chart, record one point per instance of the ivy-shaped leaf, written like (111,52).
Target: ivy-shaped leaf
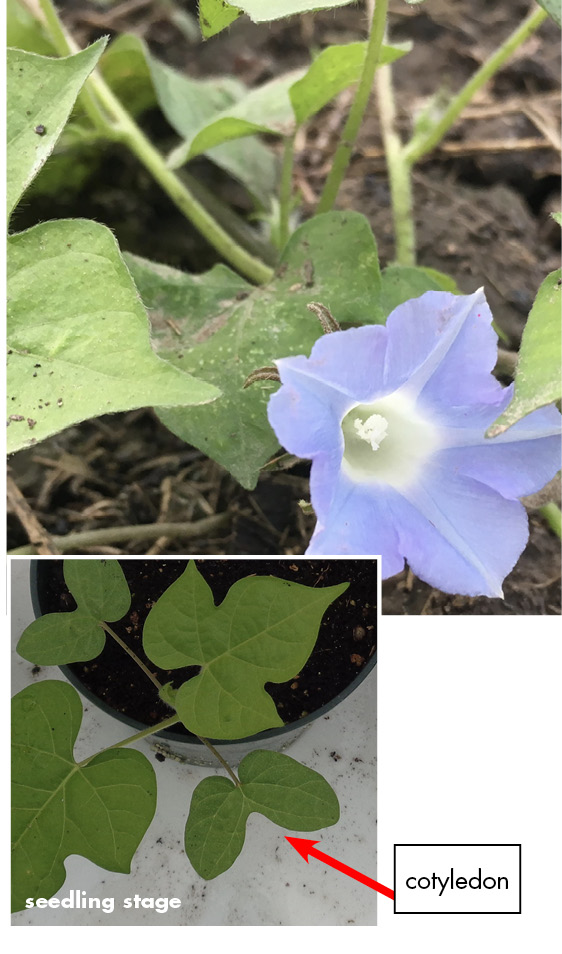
(100,810)
(101,593)
(263,631)
(286,792)
(227,329)
(78,335)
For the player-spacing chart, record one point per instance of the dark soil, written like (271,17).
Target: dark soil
(347,637)
(482,202)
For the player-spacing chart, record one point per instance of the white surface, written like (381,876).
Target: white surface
(269,884)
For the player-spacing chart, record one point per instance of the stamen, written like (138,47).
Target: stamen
(373,430)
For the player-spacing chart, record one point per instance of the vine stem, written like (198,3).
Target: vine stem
(130,652)
(222,761)
(172,720)
(135,738)
(118,124)
(399,177)
(358,107)
(419,146)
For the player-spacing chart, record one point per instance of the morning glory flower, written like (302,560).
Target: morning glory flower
(394,418)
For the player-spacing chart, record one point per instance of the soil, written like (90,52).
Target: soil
(346,641)
(481,200)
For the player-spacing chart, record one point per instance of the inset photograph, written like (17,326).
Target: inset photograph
(186,734)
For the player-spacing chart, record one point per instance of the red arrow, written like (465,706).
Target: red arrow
(305,847)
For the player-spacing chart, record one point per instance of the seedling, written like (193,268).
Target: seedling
(263,631)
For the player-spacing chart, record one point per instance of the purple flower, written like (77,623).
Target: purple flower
(393,418)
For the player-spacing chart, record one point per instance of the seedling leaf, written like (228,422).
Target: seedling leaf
(283,790)
(100,810)
(263,631)
(101,593)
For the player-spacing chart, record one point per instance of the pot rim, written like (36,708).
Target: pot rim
(168,734)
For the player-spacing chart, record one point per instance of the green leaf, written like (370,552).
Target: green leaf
(24,32)
(101,593)
(277,106)
(538,375)
(124,67)
(100,810)
(261,11)
(553,8)
(227,332)
(189,103)
(265,109)
(402,282)
(287,793)
(78,335)
(557,216)
(41,94)
(333,70)
(263,631)
(215,15)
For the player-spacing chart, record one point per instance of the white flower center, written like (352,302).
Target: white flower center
(373,430)
(388,441)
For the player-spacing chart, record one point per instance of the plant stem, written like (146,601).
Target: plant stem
(357,111)
(173,719)
(399,177)
(65,46)
(132,654)
(138,532)
(286,190)
(418,147)
(119,124)
(151,730)
(218,756)
(553,516)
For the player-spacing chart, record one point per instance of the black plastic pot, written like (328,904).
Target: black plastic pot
(189,749)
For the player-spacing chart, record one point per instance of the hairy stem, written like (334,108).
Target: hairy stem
(108,113)
(419,146)
(357,111)
(399,176)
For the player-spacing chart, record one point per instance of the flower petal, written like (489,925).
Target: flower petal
(357,522)
(460,535)
(444,347)
(305,413)
(516,463)
(352,362)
